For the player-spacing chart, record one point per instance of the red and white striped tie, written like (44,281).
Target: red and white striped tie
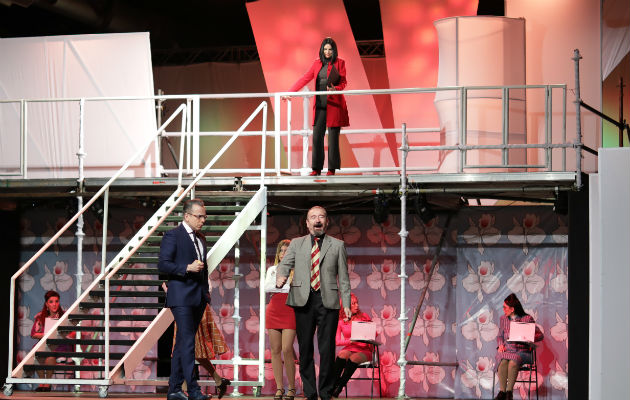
(315,265)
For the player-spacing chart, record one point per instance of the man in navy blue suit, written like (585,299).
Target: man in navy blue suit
(183,258)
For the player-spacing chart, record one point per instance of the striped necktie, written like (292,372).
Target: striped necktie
(315,265)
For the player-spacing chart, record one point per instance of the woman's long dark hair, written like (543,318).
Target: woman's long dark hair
(44,313)
(332,43)
(513,302)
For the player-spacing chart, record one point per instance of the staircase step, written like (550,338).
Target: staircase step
(90,304)
(134,282)
(147,249)
(127,293)
(210,197)
(205,228)
(121,342)
(143,259)
(115,317)
(79,328)
(177,218)
(217,208)
(138,271)
(63,367)
(78,354)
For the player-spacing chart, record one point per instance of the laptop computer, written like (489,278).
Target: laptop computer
(363,330)
(522,332)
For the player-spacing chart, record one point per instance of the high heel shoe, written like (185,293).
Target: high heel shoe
(223,387)
(279,394)
(315,173)
(330,172)
(290,397)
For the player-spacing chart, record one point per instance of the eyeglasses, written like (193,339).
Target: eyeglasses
(315,217)
(200,216)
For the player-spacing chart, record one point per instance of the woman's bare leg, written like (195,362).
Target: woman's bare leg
(288,338)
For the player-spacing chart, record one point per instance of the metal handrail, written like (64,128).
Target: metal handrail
(27,265)
(183,193)
(193,133)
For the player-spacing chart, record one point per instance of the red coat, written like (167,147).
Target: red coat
(336,109)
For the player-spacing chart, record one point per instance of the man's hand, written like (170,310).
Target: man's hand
(195,266)
(348,312)
(280,281)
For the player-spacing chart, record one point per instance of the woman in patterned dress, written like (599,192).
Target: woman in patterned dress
(353,353)
(280,323)
(511,355)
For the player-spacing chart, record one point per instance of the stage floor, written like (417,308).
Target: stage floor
(22,395)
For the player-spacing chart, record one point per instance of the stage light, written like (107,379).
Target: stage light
(381,208)
(423,210)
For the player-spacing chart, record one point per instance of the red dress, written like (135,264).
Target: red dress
(344,330)
(277,314)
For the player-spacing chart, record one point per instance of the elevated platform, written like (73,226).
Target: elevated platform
(297,192)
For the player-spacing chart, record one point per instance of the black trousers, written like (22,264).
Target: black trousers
(314,316)
(183,362)
(319,130)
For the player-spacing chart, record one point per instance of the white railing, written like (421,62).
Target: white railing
(191,133)
(141,236)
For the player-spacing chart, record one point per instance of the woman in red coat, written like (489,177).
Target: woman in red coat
(329,73)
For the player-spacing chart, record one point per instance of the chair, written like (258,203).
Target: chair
(532,369)
(375,365)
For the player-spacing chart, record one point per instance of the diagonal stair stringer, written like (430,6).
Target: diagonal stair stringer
(216,254)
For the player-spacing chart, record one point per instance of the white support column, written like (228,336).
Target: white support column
(609,217)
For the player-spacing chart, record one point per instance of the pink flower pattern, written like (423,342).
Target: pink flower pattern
(478,377)
(223,276)
(385,279)
(483,232)
(385,234)
(429,325)
(474,327)
(481,327)
(525,281)
(481,281)
(527,232)
(425,234)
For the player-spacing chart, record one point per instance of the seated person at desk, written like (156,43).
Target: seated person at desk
(511,355)
(353,353)
(51,309)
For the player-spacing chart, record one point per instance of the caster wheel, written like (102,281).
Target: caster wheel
(7,389)
(102,391)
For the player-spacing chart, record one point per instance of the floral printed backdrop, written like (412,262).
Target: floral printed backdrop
(488,253)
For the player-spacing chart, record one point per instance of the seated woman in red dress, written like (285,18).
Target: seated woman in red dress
(353,353)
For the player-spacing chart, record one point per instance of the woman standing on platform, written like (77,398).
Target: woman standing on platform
(280,321)
(329,73)
(511,355)
(353,353)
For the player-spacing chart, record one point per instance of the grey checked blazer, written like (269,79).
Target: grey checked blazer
(333,270)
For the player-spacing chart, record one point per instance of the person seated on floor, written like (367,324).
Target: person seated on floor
(50,309)
(511,355)
(353,353)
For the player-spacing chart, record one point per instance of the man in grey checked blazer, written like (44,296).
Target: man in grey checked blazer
(316,308)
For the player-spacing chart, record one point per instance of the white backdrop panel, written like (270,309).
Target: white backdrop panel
(58,67)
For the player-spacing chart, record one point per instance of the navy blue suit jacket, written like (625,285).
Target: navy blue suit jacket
(176,252)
